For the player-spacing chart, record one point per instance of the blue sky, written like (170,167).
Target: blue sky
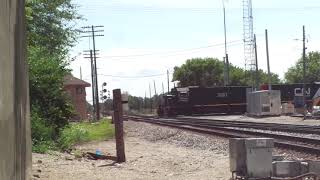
(171,29)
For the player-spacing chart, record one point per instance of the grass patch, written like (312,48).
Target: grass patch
(98,131)
(78,133)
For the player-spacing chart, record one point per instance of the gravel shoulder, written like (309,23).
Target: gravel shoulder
(152,152)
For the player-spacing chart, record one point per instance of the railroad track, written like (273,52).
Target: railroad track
(231,129)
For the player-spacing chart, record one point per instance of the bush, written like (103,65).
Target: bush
(78,133)
(42,134)
(72,135)
(43,146)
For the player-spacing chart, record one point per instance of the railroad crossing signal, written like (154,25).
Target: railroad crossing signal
(104,91)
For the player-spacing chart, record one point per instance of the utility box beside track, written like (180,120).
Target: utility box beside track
(251,157)
(264,103)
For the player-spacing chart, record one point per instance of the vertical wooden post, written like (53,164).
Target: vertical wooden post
(118,124)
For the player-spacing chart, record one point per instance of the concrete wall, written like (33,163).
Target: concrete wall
(15,140)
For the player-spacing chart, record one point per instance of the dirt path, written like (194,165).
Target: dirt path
(148,157)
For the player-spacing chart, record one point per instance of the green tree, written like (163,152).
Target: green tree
(208,72)
(295,73)
(50,35)
(46,89)
(135,103)
(51,26)
(201,72)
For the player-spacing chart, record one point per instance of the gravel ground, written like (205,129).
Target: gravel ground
(178,137)
(199,141)
(153,152)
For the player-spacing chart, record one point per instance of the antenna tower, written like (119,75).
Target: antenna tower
(248,39)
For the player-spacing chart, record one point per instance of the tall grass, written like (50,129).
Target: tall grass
(78,133)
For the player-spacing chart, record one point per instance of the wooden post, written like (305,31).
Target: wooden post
(118,124)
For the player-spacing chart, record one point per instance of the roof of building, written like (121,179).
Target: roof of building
(70,80)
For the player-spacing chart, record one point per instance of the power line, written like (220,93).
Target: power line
(133,58)
(120,9)
(133,77)
(172,52)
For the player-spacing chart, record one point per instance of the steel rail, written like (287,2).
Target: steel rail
(282,141)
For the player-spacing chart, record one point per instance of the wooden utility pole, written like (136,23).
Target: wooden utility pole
(256,59)
(80,73)
(162,88)
(168,81)
(304,72)
(154,86)
(268,62)
(93,81)
(95,73)
(150,98)
(92,30)
(15,131)
(118,124)
(145,100)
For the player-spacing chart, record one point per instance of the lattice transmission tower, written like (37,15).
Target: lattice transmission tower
(248,39)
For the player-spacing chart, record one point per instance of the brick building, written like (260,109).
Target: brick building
(76,88)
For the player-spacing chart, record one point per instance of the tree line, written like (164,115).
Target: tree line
(209,72)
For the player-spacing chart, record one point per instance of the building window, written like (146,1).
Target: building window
(79,90)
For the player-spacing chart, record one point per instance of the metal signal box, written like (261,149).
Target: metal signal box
(286,168)
(251,157)
(264,103)
(314,167)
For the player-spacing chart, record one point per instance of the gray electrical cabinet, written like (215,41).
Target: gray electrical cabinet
(264,103)
(287,168)
(314,166)
(251,157)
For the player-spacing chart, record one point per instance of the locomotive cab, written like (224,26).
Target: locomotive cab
(164,105)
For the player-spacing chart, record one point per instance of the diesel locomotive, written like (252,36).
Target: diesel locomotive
(227,100)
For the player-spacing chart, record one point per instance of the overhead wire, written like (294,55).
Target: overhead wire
(133,77)
(120,8)
(171,52)
(170,70)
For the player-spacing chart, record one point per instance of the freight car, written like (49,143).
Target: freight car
(292,93)
(226,100)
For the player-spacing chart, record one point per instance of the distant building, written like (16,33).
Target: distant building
(76,88)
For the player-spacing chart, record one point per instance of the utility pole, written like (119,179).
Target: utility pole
(80,73)
(268,62)
(304,73)
(162,88)
(93,83)
(225,47)
(150,98)
(224,72)
(145,100)
(168,81)
(256,58)
(154,86)
(92,30)
(96,74)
